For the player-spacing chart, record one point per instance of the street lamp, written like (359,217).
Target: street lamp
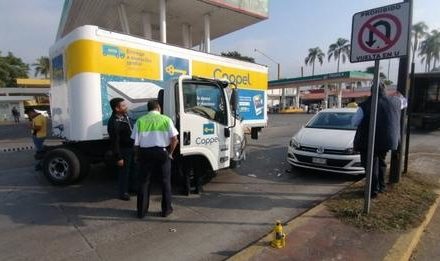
(283,93)
(268,57)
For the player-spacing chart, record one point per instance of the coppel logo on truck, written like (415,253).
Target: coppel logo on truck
(234,78)
(110,50)
(206,141)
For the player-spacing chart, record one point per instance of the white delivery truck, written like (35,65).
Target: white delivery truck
(211,99)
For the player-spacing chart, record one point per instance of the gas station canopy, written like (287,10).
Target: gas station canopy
(226,16)
(322,79)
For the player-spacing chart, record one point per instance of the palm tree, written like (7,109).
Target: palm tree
(435,35)
(425,52)
(430,50)
(42,66)
(419,31)
(314,53)
(338,50)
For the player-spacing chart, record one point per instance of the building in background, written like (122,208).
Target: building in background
(325,90)
(32,93)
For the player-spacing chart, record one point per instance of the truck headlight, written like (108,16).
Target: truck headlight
(238,142)
(238,145)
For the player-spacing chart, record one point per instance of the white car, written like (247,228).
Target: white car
(326,143)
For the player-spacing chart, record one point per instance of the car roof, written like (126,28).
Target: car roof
(353,110)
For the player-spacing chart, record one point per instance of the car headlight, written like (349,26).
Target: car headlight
(294,143)
(350,151)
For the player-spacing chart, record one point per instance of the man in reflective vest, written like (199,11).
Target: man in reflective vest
(155,138)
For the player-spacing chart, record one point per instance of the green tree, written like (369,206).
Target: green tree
(238,56)
(338,50)
(419,31)
(11,68)
(370,69)
(435,34)
(430,50)
(314,54)
(42,66)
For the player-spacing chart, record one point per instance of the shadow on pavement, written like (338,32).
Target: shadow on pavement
(27,198)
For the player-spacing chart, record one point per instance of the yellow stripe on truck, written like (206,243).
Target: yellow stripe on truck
(96,57)
(244,79)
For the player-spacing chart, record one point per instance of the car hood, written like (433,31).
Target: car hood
(327,138)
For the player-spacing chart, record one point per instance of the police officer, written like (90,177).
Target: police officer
(155,139)
(119,129)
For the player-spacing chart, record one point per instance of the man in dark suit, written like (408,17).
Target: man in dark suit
(387,134)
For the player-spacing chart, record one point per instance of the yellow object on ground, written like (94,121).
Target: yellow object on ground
(294,110)
(279,238)
(352,105)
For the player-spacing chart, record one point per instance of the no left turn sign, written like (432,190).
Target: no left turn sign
(380,33)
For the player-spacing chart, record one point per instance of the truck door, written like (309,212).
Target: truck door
(203,112)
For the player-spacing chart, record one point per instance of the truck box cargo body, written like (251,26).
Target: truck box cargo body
(90,66)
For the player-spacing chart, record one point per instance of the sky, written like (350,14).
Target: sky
(293,27)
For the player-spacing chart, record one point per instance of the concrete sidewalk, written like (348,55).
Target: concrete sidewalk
(318,235)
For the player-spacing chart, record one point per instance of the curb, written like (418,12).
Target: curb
(406,244)
(401,250)
(15,149)
(257,247)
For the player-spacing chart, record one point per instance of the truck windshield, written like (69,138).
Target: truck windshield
(205,100)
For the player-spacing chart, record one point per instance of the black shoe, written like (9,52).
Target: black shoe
(167,213)
(124,197)
(374,195)
(382,190)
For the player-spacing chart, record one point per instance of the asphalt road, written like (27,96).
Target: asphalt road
(85,222)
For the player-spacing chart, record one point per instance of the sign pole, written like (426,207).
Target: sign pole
(402,87)
(376,34)
(408,122)
(371,136)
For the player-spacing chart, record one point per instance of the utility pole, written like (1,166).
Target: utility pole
(283,90)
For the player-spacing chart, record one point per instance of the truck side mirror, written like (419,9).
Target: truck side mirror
(233,103)
(227,133)
(254,133)
(234,100)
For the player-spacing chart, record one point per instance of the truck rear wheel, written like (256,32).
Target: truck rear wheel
(61,166)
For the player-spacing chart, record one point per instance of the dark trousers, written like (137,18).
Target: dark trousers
(151,160)
(379,169)
(39,146)
(127,173)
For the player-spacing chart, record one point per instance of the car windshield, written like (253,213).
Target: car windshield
(332,120)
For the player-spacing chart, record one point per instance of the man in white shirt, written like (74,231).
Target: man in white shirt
(155,139)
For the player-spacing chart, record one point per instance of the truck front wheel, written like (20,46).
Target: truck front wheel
(61,166)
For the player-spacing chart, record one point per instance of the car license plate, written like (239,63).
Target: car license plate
(319,161)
